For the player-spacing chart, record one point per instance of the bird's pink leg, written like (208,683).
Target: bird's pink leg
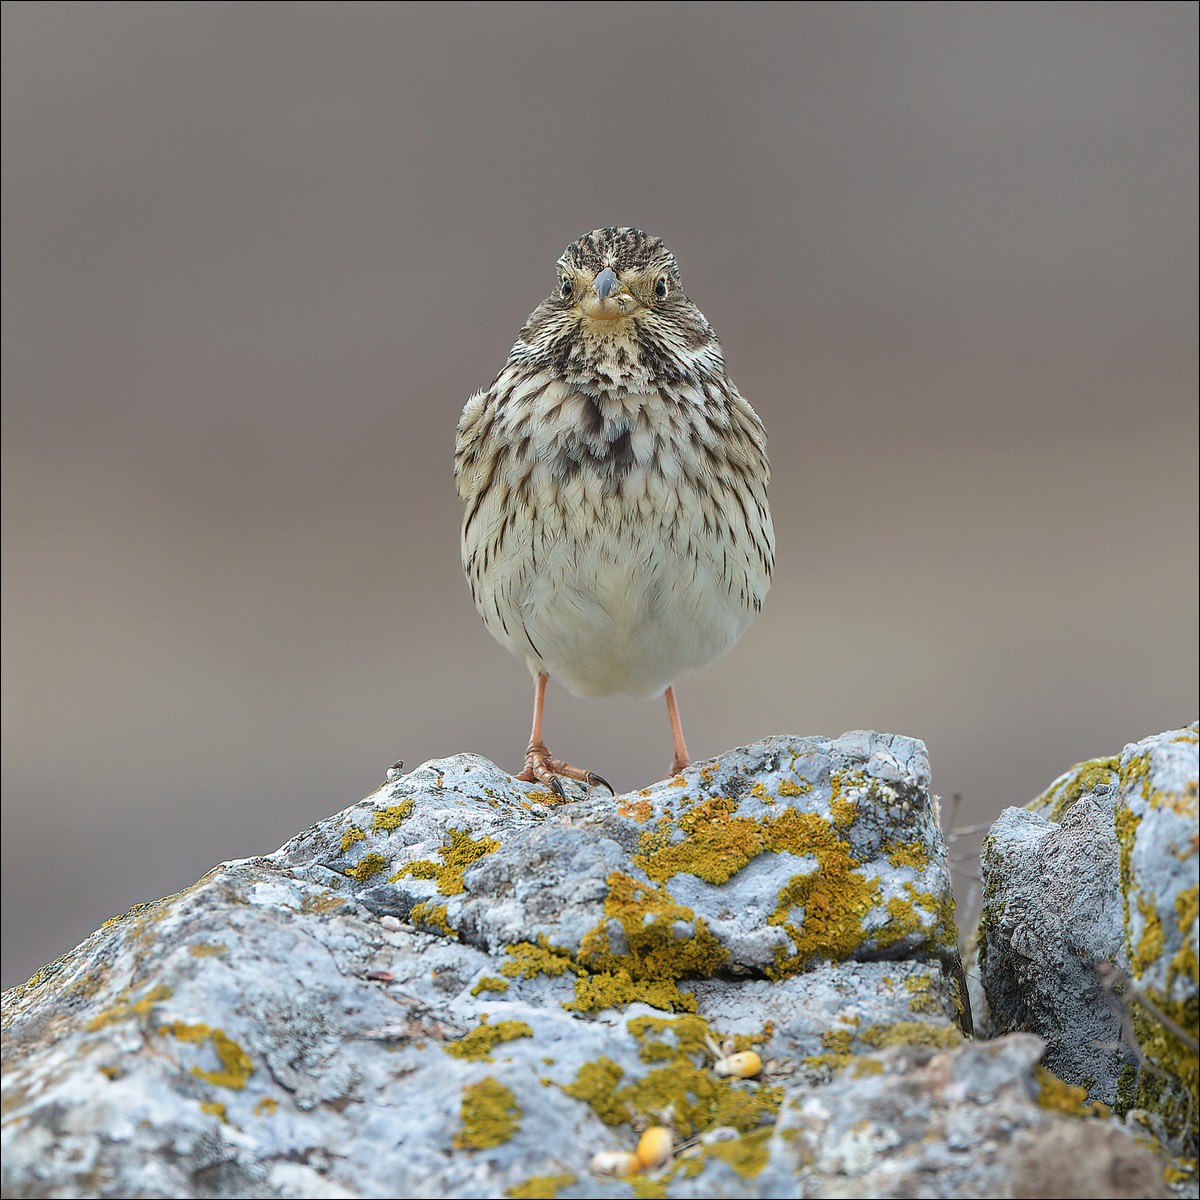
(539,766)
(681,759)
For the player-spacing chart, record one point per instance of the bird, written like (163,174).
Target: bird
(616,533)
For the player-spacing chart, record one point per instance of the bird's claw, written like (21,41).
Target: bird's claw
(541,768)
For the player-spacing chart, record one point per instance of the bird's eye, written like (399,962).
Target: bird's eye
(660,288)
(566,287)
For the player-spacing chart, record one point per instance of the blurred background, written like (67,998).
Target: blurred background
(256,256)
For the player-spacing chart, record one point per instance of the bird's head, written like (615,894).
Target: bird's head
(618,274)
(618,309)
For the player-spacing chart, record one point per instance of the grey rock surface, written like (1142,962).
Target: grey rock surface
(960,1122)
(459,987)
(1088,932)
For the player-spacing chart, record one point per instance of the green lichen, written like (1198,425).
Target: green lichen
(540,1187)
(477,1046)
(462,852)
(236,1065)
(432,916)
(368,866)
(490,1115)
(489,983)
(392,817)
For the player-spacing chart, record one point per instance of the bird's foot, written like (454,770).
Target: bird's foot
(541,768)
(679,764)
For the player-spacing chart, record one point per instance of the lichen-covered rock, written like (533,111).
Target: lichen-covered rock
(1088,932)
(978,1120)
(460,988)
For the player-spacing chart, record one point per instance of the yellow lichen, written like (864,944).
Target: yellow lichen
(315,903)
(1150,944)
(432,916)
(1187,906)
(715,846)
(124,1009)
(821,910)
(636,810)
(477,1046)
(489,983)
(907,854)
(460,854)
(912,1033)
(206,949)
(790,787)
(1081,779)
(747,1155)
(392,817)
(540,1187)
(368,866)
(490,1115)
(213,1108)
(236,1065)
(680,1090)
(924,998)
(666,941)
(527,960)
(596,1085)
(351,835)
(266,1107)
(838,1052)
(1056,1094)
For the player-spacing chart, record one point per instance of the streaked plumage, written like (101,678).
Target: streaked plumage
(616,533)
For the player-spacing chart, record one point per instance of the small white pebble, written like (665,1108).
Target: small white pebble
(620,1163)
(390,922)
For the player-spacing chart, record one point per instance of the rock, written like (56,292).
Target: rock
(1088,932)
(461,987)
(959,1122)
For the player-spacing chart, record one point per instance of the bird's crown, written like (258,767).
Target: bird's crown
(622,248)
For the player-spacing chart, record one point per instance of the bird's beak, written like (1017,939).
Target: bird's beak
(605,283)
(609,298)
